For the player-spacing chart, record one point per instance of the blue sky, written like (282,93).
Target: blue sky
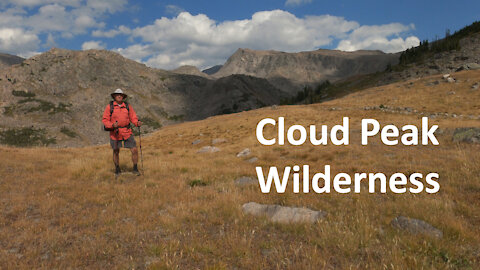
(168,34)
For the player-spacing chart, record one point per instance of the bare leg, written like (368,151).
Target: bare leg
(134,155)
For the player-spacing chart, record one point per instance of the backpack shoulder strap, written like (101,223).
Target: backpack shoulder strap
(111,108)
(126,105)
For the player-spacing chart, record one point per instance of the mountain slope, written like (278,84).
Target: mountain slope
(291,71)
(7,60)
(68,90)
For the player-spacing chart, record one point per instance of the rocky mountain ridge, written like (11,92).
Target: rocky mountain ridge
(291,71)
(65,92)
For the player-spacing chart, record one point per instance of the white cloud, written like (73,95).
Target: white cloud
(112,33)
(54,19)
(198,40)
(297,2)
(97,45)
(173,9)
(17,41)
(379,37)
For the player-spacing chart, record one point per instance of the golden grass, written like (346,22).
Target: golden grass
(62,208)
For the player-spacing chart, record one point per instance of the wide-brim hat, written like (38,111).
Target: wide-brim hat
(119,91)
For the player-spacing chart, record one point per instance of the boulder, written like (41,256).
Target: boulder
(467,134)
(196,142)
(416,226)
(469,66)
(252,160)
(283,214)
(244,153)
(208,149)
(218,140)
(245,181)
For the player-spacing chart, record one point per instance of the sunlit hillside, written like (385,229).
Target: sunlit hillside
(63,208)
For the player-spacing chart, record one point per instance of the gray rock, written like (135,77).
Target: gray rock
(468,134)
(283,214)
(245,180)
(218,140)
(450,80)
(475,86)
(244,153)
(416,226)
(469,66)
(252,160)
(208,149)
(196,142)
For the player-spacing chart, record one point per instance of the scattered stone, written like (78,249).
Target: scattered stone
(469,66)
(152,260)
(252,160)
(416,226)
(451,93)
(469,135)
(208,149)
(283,214)
(266,252)
(450,80)
(245,181)
(445,76)
(475,86)
(219,140)
(196,142)
(244,153)
(274,107)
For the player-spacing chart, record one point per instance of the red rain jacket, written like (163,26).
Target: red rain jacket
(123,116)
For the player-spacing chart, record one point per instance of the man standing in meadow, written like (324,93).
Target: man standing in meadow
(117,118)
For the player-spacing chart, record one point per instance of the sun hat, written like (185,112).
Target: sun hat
(119,91)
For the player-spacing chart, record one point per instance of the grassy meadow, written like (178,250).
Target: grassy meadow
(63,208)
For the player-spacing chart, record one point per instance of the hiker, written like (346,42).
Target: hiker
(117,118)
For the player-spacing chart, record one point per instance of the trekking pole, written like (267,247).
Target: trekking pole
(140,142)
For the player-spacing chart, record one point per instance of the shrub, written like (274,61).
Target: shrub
(26,136)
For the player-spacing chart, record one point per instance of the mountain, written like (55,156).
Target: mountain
(212,70)
(7,60)
(64,93)
(191,70)
(291,71)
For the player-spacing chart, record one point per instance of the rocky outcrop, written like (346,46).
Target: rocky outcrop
(416,226)
(468,134)
(283,214)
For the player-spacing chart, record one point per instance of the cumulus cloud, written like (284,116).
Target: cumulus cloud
(200,41)
(377,38)
(297,2)
(17,41)
(88,45)
(54,19)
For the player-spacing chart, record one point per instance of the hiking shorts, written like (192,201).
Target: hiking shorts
(128,143)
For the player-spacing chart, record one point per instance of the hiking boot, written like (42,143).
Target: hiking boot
(135,169)
(117,170)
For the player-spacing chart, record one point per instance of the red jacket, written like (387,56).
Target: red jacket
(123,116)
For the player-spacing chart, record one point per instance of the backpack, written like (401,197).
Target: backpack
(111,112)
